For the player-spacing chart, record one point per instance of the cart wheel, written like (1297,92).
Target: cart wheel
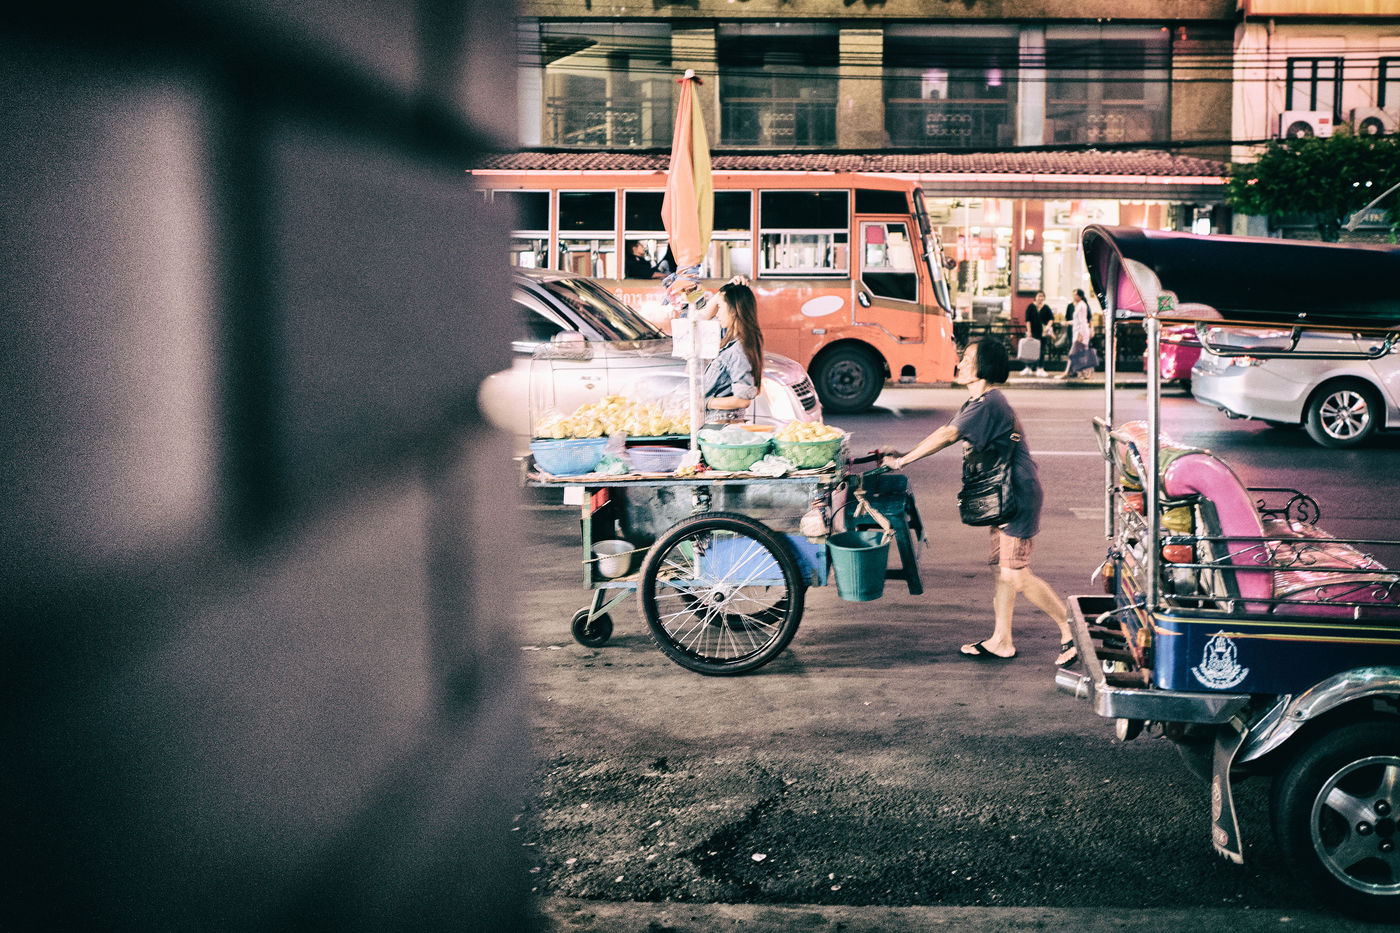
(594,634)
(1334,812)
(721,593)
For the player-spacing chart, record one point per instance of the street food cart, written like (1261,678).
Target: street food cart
(1230,621)
(721,560)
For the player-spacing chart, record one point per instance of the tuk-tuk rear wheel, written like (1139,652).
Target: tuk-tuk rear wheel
(1334,815)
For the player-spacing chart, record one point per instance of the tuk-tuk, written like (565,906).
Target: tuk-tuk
(1256,641)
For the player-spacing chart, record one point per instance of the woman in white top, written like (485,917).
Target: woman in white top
(1081,355)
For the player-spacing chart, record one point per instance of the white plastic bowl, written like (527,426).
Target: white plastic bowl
(614,558)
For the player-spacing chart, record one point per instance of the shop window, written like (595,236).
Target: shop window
(951,86)
(778,84)
(604,84)
(1106,84)
(804,232)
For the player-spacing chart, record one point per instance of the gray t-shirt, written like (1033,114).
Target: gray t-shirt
(987,420)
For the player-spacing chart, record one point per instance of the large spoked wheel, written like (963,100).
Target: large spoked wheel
(848,380)
(1334,813)
(1343,414)
(721,593)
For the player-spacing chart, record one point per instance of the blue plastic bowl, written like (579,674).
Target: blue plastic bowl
(648,458)
(568,457)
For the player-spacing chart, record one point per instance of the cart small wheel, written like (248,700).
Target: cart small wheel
(721,593)
(594,634)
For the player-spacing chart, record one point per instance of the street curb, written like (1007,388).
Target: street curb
(1094,381)
(584,916)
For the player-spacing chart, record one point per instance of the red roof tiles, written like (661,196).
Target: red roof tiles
(1090,162)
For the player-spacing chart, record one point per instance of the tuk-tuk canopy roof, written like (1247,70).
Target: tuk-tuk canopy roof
(1247,280)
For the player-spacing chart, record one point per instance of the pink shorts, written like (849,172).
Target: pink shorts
(1011,553)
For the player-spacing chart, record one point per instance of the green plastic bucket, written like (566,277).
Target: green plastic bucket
(859,559)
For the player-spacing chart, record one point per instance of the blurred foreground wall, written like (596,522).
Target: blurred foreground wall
(254,558)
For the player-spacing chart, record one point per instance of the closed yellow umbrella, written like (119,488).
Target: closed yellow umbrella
(688,214)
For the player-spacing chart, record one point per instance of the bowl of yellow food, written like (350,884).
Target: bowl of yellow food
(808,444)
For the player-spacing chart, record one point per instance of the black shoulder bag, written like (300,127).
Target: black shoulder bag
(985,497)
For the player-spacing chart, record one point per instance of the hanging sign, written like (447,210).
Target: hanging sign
(702,335)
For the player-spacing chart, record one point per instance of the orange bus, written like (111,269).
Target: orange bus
(854,317)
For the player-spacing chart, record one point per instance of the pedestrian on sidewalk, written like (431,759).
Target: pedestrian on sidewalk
(986,419)
(1082,358)
(1038,315)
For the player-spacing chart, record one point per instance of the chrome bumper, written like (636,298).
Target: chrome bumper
(1114,699)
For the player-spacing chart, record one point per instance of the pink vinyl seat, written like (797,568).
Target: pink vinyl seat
(1302,567)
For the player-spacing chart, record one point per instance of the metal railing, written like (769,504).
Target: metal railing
(956,123)
(570,121)
(1125,123)
(784,123)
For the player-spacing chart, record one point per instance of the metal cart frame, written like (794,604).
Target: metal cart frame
(725,560)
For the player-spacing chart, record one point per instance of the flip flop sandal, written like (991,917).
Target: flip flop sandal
(1068,653)
(979,652)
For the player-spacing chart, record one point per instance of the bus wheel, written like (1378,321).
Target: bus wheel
(848,379)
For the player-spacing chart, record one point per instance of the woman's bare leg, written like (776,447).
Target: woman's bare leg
(1009,584)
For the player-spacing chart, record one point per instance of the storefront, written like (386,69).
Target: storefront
(1008,249)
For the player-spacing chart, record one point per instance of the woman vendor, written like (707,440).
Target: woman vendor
(733,378)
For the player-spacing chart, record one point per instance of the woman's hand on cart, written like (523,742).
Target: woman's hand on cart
(892,460)
(874,456)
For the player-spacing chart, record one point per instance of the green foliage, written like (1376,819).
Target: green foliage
(1324,177)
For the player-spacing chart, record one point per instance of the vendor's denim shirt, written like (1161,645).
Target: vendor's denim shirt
(730,374)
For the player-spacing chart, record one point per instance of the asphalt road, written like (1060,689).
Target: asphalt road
(872,767)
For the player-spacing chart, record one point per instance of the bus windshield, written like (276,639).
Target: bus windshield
(612,319)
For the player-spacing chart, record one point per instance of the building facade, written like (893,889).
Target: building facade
(1309,67)
(1023,119)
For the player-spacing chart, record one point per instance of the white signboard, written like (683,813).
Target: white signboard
(686,332)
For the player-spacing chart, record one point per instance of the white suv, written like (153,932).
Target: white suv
(577,343)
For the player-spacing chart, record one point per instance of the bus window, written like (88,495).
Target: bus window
(731,244)
(887,261)
(529,241)
(641,223)
(878,201)
(804,232)
(587,233)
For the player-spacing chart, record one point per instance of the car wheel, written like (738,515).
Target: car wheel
(1343,414)
(848,380)
(1334,814)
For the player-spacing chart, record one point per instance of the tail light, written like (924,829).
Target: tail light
(1179,553)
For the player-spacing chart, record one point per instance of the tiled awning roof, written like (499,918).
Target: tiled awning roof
(1049,162)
